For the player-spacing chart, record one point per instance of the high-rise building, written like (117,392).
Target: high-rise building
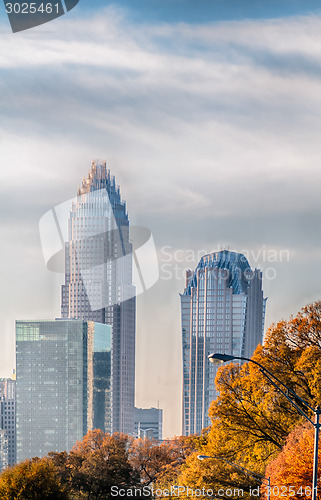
(98,280)
(62,383)
(4,462)
(222,310)
(149,423)
(8,415)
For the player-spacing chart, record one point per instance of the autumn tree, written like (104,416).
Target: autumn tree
(251,419)
(149,458)
(157,462)
(34,479)
(252,413)
(180,448)
(292,470)
(95,464)
(212,475)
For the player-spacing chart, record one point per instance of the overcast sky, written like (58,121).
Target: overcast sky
(210,121)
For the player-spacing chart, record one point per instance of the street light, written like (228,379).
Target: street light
(263,479)
(218,358)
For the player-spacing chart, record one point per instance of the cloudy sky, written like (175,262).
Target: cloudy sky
(208,114)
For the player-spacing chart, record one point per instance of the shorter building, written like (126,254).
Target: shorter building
(3,450)
(149,423)
(63,383)
(8,415)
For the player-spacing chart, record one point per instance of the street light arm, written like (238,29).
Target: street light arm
(288,398)
(268,374)
(317,411)
(249,472)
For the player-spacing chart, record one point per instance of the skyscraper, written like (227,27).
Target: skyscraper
(98,280)
(222,310)
(149,423)
(3,450)
(8,415)
(63,383)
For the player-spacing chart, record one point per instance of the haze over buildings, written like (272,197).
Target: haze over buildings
(164,100)
(78,373)
(222,310)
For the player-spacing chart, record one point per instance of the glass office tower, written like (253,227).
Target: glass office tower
(98,280)
(63,383)
(222,310)
(8,415)
(4,461)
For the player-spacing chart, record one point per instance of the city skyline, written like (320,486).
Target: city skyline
(211,129)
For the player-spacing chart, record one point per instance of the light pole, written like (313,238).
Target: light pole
(261,478)
(288,393)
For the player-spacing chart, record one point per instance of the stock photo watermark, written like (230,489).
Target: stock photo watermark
(83,233)
(104,249)
(229,492)
(24,15)
(174,262)
(178,491)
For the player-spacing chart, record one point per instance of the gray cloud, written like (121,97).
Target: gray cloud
(213,134)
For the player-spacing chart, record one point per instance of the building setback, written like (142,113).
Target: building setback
(63,383)
(98,280)
(4,461)
(8,415)
(222,310)
(149,423)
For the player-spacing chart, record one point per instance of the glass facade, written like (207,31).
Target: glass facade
(4,459)
(98,281)
(8,415)
(102,396)
(222,310)
(57,382)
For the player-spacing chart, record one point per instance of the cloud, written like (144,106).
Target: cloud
(211,130)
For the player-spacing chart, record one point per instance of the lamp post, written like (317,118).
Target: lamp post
(217,358)
(263,479)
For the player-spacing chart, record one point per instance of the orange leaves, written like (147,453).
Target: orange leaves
(249,408)
(95,464)
(102,461)
(294,465)
(159,461)
(251,419)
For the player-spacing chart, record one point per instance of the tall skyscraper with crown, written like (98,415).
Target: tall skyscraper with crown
(98,280)
(222,310)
